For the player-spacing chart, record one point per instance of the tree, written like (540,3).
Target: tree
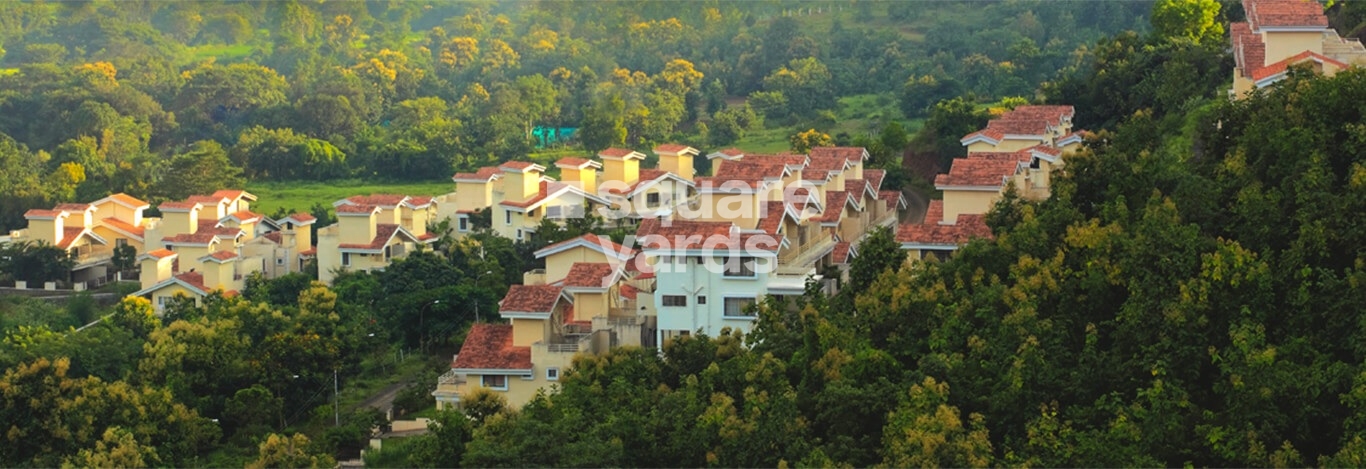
(878,253)
(920,93)
(1197,20)
(925,431)
(801,142)
(117,448)
(949,121)
(202,169)
(604,124)
(290,452)
(125,257)
(35,263)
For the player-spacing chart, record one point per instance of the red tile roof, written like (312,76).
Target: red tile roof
(1028,120)
(194,279)
(182,205)
(602,242)
(223,255)
(1281,66)
(854,154)
(232,194)
(834,206)
(934,214)
(827,162)
(772,218)
(160,253)
(530,299)
(978,172)
(673,148)
(1249,52)
(124,227)
(689,235)
(749,172)
(589,275)
(301,217)
(857,188)
(308,252)
(841,253)
(274,236)
(619,153)
(732,152)
(576,163)
(967,228)
(1273,13)
(517,166)
(380,200)
(42,213)
(891,198)
(645,178)
(245,215)
(629,292)
(73,208)
(815,175)
(489,347)
(484,174)
(126,199)
(69,236)
(546,189)
(383,232)
(875,178)
(203,236)
(206,199)
(350,208)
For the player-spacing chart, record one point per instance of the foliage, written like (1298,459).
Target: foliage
(804,141)
(290,452)
(35,263)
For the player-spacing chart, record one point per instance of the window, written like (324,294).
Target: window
(162,301)
(120,242)
(739,267)
(531,213)
(675,300)
(346,259)
(554,211)
(464,224)
(735,307)
(388,253)
(507,217)
(652,200)
(701,299)
(280,261)
(519,235)
(552,374)
(495,382)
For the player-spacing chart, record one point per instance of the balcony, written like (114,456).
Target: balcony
(88,255)
(806,255)
(449,387)
(570,344)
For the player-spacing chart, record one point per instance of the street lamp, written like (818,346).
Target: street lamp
(422,326)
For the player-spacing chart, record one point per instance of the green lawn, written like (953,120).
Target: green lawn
(300,196)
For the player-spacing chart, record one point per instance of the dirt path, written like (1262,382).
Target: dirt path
(916,204)
(384,399)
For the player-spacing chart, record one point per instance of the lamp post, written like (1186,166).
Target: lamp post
(422,326)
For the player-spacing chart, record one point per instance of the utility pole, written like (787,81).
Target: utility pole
(336,405)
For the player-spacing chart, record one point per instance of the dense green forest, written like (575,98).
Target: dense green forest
(1190,295)
(103,96)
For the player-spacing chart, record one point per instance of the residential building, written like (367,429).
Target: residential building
(163,281)
(1282,33)
(371,231)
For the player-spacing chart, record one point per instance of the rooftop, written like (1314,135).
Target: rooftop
(967,228)
(589,275)
(489,347)
(530,299)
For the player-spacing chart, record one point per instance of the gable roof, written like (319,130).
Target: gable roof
(72,234)
(597,243)
(875,178)
(592,276)
(539,300)
(1265,75)
(45,214)
(938,236)
(485,174)
(647,179)
(234,195)
(985,171)
(192,281)
(895,200)
(551,191)
(1271,14)
(520,167)
(299,219)
(488,347)
(244,216)
(727,154)
(124,228)
(843,252)
(849,153)
(384,233)
(158,254)
(124,200)
(690,235)
(570,162)
(203,236)
(179,206)
(675,149)
(620,153)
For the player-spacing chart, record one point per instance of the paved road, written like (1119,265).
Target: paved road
(384,399)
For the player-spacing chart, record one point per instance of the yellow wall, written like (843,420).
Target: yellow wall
(980,146)
(528,331)
(170,291)
(45,230)
(473,195)
(521,186)
(969,202)
(557,265)
(356,229)
(589,305)
(174,223)
(113,210)
(1283,45)
(680,165)
(626,170)
(189,256)
(113,236)
(154,271)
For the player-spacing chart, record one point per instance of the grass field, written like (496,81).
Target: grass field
(300,196)
(862,114)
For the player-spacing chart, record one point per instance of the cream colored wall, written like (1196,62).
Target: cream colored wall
(45,230)
(1007,145)
(528,331)
(589,305)
(113,236)
(521,186)
(175,223)
(557,265)
(189,256)
(356,229)
(218,274)
(625,170)
(170,291)
(980,146)
(1283,45)
(520,391)
(113,210)
(473,195)
(970,202)
(154,271)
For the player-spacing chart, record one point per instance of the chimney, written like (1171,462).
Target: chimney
(580,171)
(47,225)
(621,165)
(156,267)
(521,180)
(218,270)
(676,159)
(179,217)
(356,223)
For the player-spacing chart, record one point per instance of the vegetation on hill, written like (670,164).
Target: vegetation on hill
(103,96)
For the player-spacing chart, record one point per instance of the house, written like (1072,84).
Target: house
(162,283)
(285,251)
(587,308)
(371,231)
(90,232)
(1281,33)
(937,237)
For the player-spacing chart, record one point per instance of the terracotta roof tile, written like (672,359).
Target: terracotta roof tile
(73,208)
(690,235)
(308,252)
(123,226)
(934,214)
(174,205)
(206,199)
(126,199)
(195,279)
(203,236)
(967,228)
(841,253)
(589,275)
(245,215)
(875,178)
(834,206)
(751,173)
(383,232)
(576,163)
(981,171)
(233,194)
(380,200)
(1273,13)
(489,347)
(300,218)
(815,175)
(673,148)
(530,299)
(352,208)
(517,166)
(732,152)
(1281,66)
(619,153)
(629,292)
(830,162)
(602,241)
(1028,120)
(274,237)
(854,154)
(222,255)
(160,253)
(891,198)
(42,213)
(69,236)
(772,219)
(484,174)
